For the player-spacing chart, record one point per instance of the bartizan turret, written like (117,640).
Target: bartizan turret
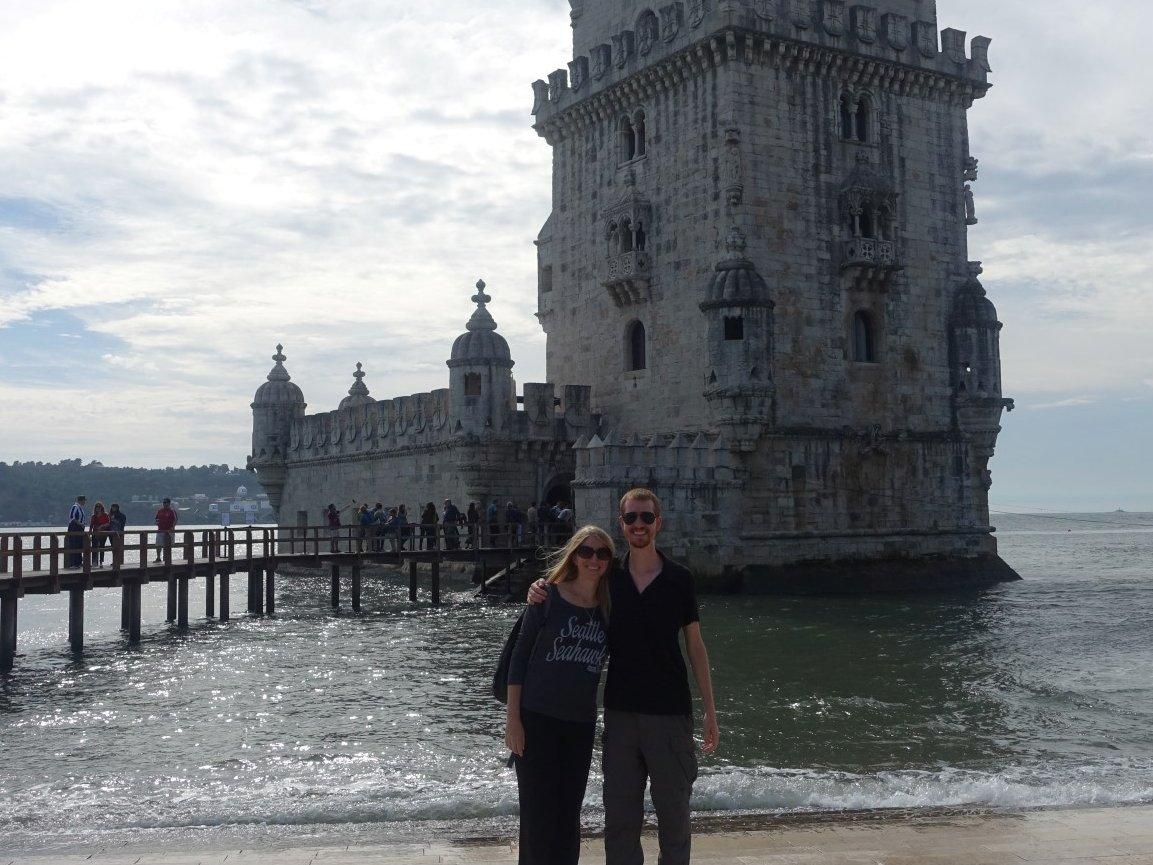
(278,402)
(480,377)
(739,381)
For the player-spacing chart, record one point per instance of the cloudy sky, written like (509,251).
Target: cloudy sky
(183,184)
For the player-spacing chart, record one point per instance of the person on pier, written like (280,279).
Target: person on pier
(552,698)
(99,529)
(166,519)
(77,522)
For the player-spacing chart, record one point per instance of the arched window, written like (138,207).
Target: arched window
(635,347)
(864,344)
(472,384)
(628,139)
(865,221)
(734,328)
(861,118)
(639,133)
(626,236)
(614,238)
(884,224)
(846,117)
(642,238)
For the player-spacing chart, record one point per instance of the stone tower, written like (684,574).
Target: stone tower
(758,259)
(480,372)
(277,404)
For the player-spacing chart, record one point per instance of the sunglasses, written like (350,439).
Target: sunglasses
(646,517)
(584,551)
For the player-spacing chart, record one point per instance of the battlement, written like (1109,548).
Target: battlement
(613,41)
(655,461)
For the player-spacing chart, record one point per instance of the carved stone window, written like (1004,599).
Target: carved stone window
(864,338)
(855,116)
(628,139)
(640,133)
(629,265)
(734,328)
(636,350)
(472,384)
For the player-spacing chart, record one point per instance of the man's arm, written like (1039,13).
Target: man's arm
(699,658)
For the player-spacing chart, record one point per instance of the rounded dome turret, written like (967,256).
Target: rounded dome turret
(480,344)
(358,393)
(971,305)
(736,282)
(279,389)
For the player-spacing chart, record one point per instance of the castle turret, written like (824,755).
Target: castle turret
(358,393)
(975,359)
(482,391)
(739,381)
(277,403)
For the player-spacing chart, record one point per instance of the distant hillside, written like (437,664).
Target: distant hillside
(41,493)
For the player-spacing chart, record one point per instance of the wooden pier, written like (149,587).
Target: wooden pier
(40,563)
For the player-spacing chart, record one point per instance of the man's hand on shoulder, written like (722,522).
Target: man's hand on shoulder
(538,592)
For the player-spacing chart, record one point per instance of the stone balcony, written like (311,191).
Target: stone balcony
(628,278)
(869,264)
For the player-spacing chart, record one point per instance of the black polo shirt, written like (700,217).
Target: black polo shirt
(647,671)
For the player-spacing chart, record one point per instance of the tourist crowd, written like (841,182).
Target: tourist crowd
(104,524)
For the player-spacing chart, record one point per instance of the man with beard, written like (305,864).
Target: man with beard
(648,734)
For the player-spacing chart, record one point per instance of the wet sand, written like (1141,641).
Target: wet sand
(1120,836)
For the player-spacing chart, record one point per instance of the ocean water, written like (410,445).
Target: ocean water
(313,727)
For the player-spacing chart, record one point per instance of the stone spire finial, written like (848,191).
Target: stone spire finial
(359,388)
(279,373)
(735,243)
(481,318)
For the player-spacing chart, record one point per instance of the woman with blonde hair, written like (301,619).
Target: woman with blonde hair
(552,697)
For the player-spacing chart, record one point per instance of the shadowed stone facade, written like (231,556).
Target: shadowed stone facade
(757,258)
(758,299)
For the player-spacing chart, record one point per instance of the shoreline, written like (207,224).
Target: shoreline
(1121,834)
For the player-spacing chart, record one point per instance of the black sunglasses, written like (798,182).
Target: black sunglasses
(587,552)
(646,517)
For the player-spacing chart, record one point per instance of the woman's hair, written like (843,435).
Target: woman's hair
(97,505)
(562,568)
(115,505)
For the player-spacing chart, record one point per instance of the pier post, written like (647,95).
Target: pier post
(8,604)
(224,575)
(412,584)
(209,595)
(125,605)
(436,581)
(356,588)
(270,590)
(256,590)
(171,612)
(76,619)
(182,603)
(336,587)
(135,590)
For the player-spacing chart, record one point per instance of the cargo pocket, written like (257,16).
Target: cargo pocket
(686,755)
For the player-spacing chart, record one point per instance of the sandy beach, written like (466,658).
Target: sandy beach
(1120,836)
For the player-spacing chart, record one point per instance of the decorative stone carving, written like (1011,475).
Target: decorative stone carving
(628,271)
(540,95)
(925,35)
(896,31)
(697,11)
(579,72)
(801,14)
(557,84)
(623,46)
(865,23)
(764,9)
(601,60)
(671,17)
(648,31)
(833,17)
(953,45)
(971,163)
(970,206)
(980,50)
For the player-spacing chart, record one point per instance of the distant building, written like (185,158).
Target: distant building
(758,299)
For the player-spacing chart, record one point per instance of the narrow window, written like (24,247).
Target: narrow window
(614,239)
(642,239)
(863,344)
(734,328)
(626,236)
(884,224)
(640,135)
(636,347)
(628,139)
(846,118)
(862,119)
(472,384)
(546,278)
(866,221)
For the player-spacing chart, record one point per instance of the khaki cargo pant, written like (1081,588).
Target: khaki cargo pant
(659,750)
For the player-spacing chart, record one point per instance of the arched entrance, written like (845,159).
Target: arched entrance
(559,489)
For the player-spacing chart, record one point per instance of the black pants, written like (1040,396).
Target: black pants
(552,777)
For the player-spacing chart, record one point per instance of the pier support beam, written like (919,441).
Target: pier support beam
(135,590)
(256,590)
(8,604)
(209,595)
(171,615)
(76,620)
(182,602)
(125,605)
(224,575)
(270,591)
(356,585)
(436,582)
(336,587)
(412,585)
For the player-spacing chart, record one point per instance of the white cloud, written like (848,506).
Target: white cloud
(1072,402)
